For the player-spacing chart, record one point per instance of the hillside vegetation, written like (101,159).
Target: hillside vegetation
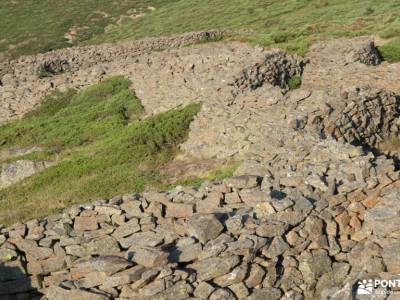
(100,142)
(32,26)
(291,24)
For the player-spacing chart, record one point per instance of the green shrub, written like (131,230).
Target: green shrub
(294,82)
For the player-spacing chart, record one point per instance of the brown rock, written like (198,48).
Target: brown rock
(204,227)
(150,257)
(203,290)
(179,210)
(107,264)
(255,277)
(124,277)
(210,203)
(213,267)
(57,293)
(85,223)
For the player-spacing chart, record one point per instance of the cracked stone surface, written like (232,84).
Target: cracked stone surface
(310,211)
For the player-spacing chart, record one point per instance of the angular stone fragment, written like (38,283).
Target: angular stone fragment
(240,290)
(204,227)
(85,223)
(142,239)
(31,249)
(253,197)
(156,197)
(263,210)
(124,277)
(391,255)
(235,276)
(107,210)
(213,267)
(317,182)
(179,291)
(281,205)
(185,253)
(106,245)
(210,203)
(255,277)
(7,255)
(203,290)
(133,209)
(153,288)
(179,210)
(288,217)
(106,264)
(242,182)
(277,247)
(314,264)
(91,279)
(234,224)
(76,250)
(126,229)
(271,229)
(150,257)
(57,293)
(303,206)
(232,198)
(2,239)
(222,294)
(265,293)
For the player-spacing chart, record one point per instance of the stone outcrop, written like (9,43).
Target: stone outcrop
(23,82)
(13,172)
(268,236)
(309,212)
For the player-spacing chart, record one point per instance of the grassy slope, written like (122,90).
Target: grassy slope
(102,147)
(292,24)
(32,26)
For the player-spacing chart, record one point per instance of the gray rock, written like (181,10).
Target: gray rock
(203,290)
(213,267)
(313,265)
(242,182)
(185,253)
(235,276)
(142,239)
(58,293)
(265,293)
(204,227)
(149,257)
(127,229)
(223,294)
(278,247)
(107,264)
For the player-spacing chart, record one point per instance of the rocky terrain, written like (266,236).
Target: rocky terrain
(311,210)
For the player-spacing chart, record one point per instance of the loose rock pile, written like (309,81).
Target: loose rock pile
(249,237)
(309,213)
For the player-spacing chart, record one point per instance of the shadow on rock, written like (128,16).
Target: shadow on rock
(15,283)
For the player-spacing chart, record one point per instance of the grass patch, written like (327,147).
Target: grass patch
(391,50)
(294,82)
(219,173)
(32,26)
(103,148)
(290,24)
